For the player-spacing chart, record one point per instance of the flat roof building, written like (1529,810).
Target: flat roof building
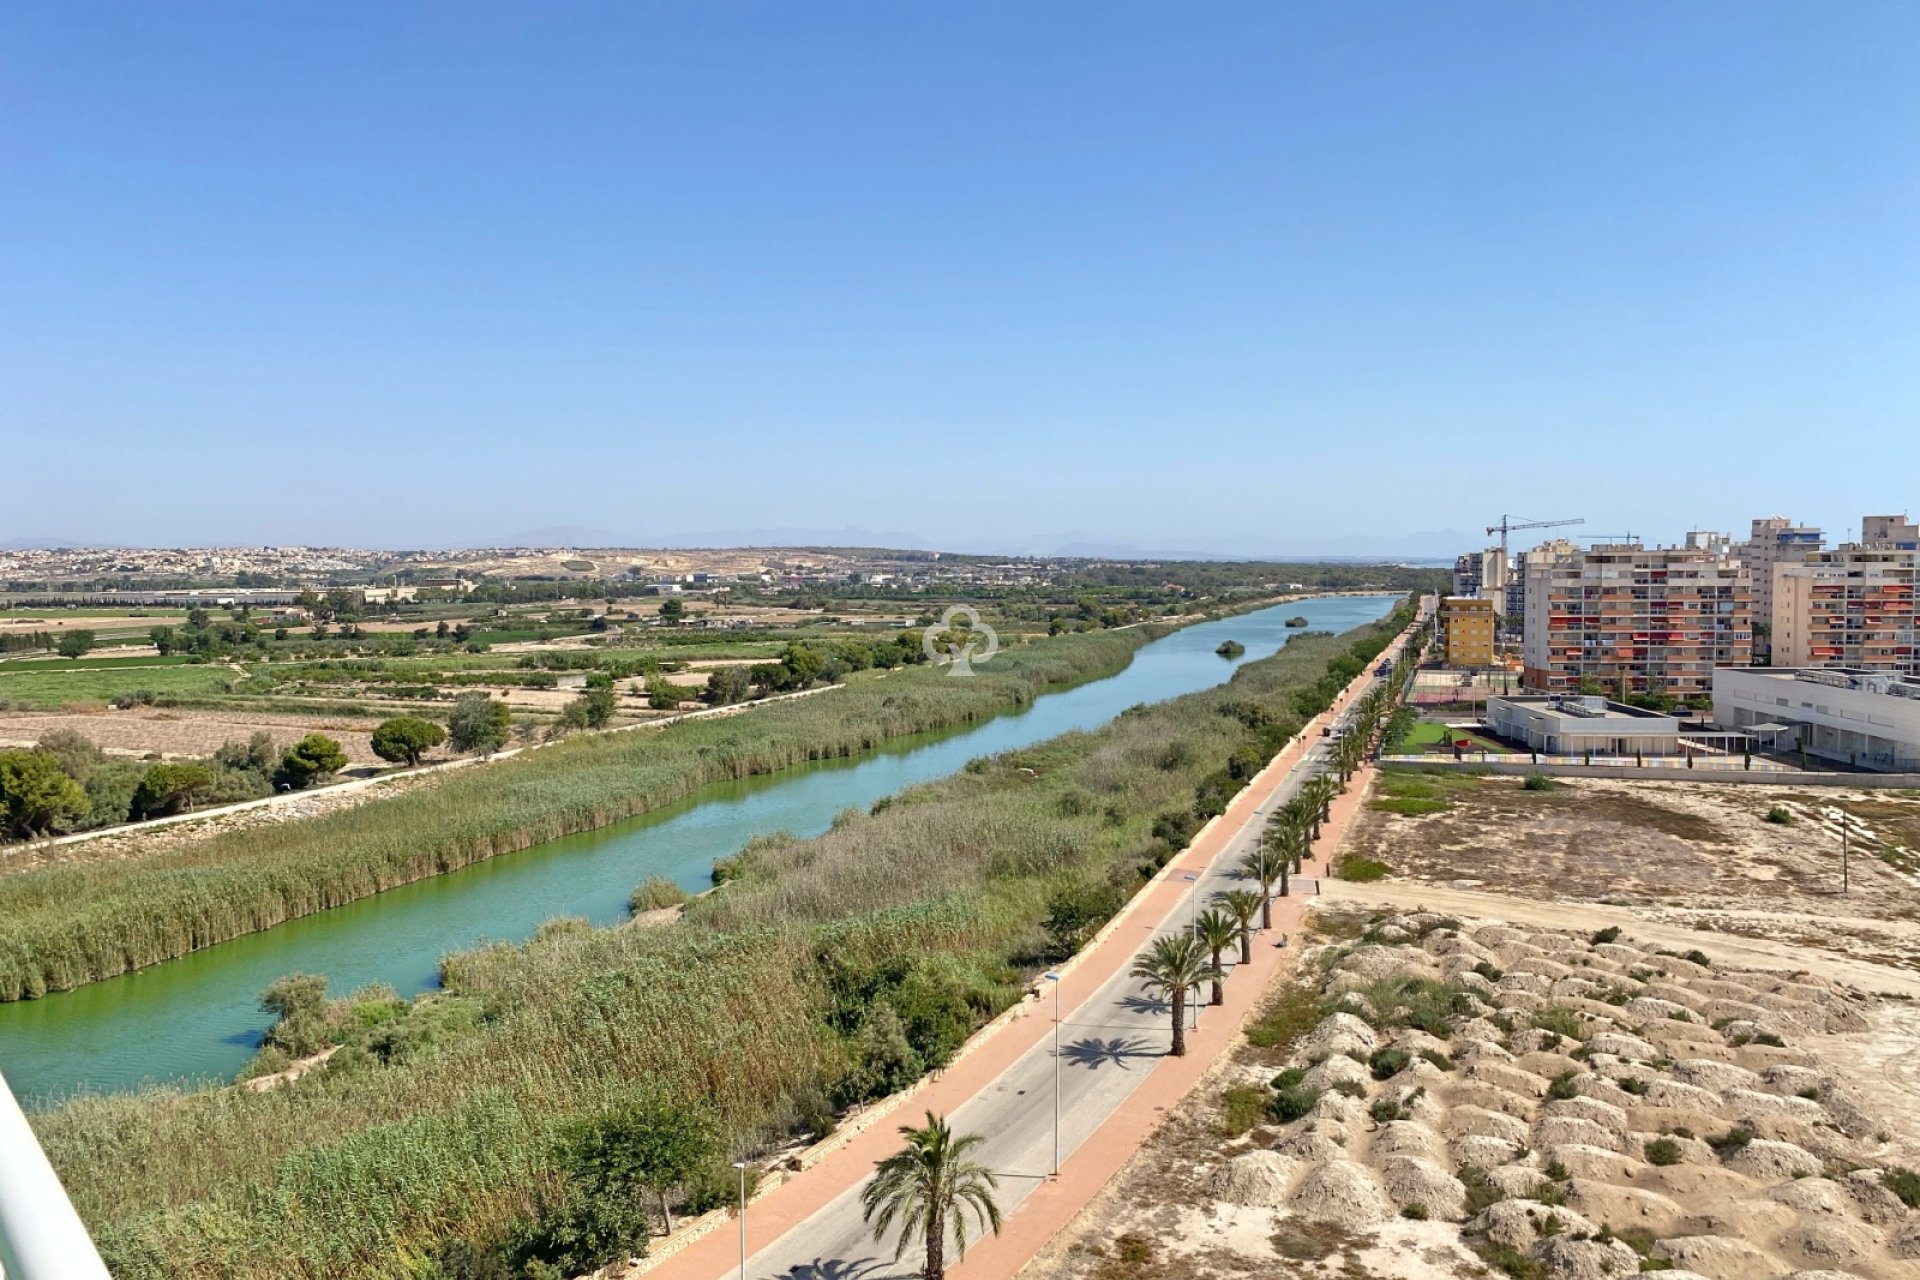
(1865,718)
(1572,725)
(1853,606)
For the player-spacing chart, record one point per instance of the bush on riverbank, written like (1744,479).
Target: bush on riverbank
(824,971)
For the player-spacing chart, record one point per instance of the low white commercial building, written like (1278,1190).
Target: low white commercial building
(1865,718)
(1574,725)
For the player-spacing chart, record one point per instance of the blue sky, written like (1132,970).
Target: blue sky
(1241,276)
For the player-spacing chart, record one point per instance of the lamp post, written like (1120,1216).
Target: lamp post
(1846,878)
(741,1165)
(1054,978)
(1193,929)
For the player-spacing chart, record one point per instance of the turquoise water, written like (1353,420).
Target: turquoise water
(197,1018)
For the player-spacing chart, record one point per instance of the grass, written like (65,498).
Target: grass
(45,687)
(751,1008)
(1431,733)
(1360,870)
(42,662)
(1412,792)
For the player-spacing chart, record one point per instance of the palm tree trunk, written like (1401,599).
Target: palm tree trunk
(1266,910)
(1283,881)
(936,1243)
(1219,981)
(1179,1029)
(1246,945)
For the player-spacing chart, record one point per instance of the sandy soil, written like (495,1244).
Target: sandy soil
(1725,1122)
(1694,846)
(141,730)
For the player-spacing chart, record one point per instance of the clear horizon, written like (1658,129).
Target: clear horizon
(1240,280)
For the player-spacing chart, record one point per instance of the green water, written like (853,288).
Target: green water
(196,1018)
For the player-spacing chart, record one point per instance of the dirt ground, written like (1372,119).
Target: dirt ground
(1693,846)
(139,731)
(1576,1106)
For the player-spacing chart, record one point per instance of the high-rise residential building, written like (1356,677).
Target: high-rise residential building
(1482,574)
(1775,540)
(1852,606)
(1517,612)
(1466,631)
(1897,532)
(1636,619)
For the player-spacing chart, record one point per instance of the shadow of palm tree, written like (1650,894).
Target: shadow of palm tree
(1094,1053)
(1138,1003)
(835,1269)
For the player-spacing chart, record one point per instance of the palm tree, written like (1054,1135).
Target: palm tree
(1267,866)
(1174,964)
(1218,930)
(928,1186)
(1292,830)
(1243,905)
(1320,791)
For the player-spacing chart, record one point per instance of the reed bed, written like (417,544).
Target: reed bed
(369,1169)
(69,924)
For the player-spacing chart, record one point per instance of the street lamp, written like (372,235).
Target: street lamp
(741,1165)
(1054,978)
(1193,928)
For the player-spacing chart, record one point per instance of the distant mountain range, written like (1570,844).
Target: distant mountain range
(1439,546)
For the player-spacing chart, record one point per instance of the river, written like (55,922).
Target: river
(197,1019)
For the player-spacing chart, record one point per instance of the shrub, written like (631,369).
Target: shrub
(1244,1106)
(1609,934)
(1288,1016)
(1562,1086)
(1662,1151)
(1415,1210)
(1780,816)
(1731,1141)
(1903,1182)
(1538,782)
(1360,870)
(655,893)
(1388,1062)
(168,788)
(1291,1104)
(1384,1110)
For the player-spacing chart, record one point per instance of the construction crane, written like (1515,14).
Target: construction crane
(1507,525)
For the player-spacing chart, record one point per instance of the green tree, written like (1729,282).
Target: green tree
(162,639)
(37,795)
(672,610)
(1075,913)
(168,788)
(307,760)
(1175,965)
(727,684)
(929,1187)
(642,1145)
(1218,930)
(1244,906)
(478,723)
(406,738)
(75,644)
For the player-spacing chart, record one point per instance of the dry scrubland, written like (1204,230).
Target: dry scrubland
(1447,1098)
(1702,855)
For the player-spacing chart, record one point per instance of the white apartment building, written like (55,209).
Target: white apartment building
(1865,718)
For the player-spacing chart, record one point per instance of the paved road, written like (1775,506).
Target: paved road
(1108,1044)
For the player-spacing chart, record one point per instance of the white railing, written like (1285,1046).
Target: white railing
(40,1235)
